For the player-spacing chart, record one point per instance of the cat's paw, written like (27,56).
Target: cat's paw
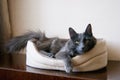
(68,69)
(51,55)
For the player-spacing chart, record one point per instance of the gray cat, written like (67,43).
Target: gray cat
(78,44)
(64,49)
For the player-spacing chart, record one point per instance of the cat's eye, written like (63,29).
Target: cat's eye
(77,42)
(87,41)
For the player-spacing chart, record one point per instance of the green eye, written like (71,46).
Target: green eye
(77,42)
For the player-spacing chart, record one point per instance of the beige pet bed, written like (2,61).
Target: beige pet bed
(93,60)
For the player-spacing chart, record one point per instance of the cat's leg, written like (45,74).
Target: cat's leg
(56,45)
(47,54)
(67,60)
(68,64)
(43,45)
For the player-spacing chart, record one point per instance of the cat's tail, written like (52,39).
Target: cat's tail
(20,42)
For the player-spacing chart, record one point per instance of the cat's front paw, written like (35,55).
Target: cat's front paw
(51,55)
(68,69)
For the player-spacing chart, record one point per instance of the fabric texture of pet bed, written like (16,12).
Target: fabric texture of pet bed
(95,59)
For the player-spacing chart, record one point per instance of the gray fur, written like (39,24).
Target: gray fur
(49,45)
(78,44)
(20,42)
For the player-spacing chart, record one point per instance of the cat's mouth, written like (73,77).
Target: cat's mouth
(81,51)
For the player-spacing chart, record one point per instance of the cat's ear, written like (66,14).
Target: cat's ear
(88,30)
(72,33)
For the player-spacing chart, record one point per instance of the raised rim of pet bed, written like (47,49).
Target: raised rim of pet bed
(93,60)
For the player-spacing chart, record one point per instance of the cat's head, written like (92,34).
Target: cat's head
(82,42)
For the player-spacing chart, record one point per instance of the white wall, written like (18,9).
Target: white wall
(55,16)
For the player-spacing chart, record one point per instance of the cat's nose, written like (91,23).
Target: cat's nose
(80,48)
(83,48)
